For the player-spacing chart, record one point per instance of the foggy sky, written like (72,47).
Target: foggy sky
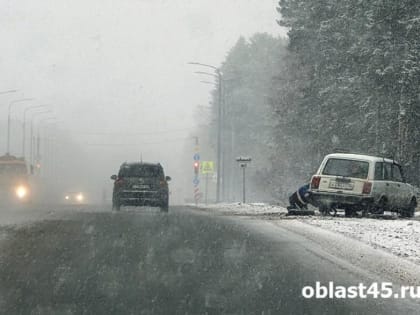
(114,68)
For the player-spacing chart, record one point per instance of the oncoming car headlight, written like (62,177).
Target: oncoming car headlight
(21,191)
(79,197)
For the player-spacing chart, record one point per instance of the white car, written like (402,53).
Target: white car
(362,183)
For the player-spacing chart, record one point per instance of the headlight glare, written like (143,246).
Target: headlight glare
(21,192)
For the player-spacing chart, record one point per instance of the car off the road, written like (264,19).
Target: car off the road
(140,184)
(364,183)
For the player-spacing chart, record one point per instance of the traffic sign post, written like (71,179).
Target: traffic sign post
(206,167)
(243,162)
(196,168)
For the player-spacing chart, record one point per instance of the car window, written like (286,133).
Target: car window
(346,168)
(396,173)
(379,171)
(388,171)
(140,171)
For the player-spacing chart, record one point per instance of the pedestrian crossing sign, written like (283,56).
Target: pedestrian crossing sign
(207,167)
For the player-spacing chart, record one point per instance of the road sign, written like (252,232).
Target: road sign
(245,159)
(207,167)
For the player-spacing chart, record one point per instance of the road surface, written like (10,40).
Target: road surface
(90,260)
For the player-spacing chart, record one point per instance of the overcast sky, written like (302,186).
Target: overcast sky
(120,66)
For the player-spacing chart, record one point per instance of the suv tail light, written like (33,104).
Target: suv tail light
(315,182)
(367,187)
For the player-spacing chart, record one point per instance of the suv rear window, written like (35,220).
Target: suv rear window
(346,168)
(141,171)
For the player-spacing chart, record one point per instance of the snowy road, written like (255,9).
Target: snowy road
(89,260)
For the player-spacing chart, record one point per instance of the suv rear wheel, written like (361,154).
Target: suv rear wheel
(326,210)
(409,211)
(380,207)
(164,207)
(116,204)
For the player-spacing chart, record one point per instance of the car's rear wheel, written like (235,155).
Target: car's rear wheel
(325,210)
(164,208)
(116,204)
(409,211)
(380,207)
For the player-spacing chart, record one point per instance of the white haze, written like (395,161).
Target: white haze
(117,76)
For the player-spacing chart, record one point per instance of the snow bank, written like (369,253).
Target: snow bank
(244,208)
(400,237)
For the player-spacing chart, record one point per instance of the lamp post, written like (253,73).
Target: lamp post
(32,132)
(25,111)
(219,124)
(8,118)
(38,156)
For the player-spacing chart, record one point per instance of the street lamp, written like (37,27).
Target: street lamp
(8,119)
(219,123)
(25,111)
(49,146)
(32,131)
(38,156)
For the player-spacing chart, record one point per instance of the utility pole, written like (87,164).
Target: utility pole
(9,112)
(25,111)
(219,137)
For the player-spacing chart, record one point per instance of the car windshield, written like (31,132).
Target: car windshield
(346,168)
(140,171)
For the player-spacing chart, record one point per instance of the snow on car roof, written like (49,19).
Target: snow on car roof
(358,157)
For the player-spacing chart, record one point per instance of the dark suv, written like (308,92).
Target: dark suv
(140,184)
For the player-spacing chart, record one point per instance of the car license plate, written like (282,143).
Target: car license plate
(141,186)
(341,185)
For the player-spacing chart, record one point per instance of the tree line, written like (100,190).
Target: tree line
(346,78)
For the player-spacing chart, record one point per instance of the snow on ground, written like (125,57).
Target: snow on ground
(244,209)
(398,236)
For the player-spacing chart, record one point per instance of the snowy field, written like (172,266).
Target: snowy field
(401,237)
